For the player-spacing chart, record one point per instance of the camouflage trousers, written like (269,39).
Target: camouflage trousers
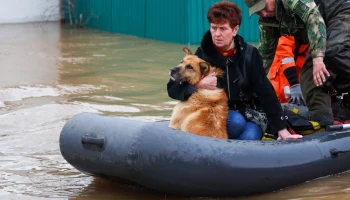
(337,60)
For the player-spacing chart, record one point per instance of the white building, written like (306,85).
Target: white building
(21,11)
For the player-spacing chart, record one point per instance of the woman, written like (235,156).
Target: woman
(244,81)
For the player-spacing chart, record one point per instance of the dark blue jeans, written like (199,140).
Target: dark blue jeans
(238,128)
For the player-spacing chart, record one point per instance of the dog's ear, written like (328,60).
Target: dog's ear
(187,50)
(204,67)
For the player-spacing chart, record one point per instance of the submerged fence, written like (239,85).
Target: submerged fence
(178,21)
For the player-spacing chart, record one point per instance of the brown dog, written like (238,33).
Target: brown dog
(205,112)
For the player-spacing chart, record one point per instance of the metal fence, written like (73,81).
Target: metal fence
(178,21)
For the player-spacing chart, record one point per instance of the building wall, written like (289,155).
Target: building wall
(21,11)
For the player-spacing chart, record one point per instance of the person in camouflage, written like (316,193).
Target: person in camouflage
(325,25)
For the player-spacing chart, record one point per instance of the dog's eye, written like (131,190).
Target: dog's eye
(181,61)
(189,67)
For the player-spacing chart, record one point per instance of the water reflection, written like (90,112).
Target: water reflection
(133,70)
(336,187)
(28,53)
(105,190)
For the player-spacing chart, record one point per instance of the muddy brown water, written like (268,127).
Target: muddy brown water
(50,73)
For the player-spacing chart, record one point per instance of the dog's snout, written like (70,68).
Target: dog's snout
(173,71)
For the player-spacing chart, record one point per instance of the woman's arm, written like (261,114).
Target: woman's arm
(266,94)
(180,91)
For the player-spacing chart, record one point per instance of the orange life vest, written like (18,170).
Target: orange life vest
(289,53)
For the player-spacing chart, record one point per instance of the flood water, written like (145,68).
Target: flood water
(49,73)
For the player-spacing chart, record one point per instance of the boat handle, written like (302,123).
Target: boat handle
(90,141)
(335,152)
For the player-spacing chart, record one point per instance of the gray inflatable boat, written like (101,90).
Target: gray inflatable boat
(151,155)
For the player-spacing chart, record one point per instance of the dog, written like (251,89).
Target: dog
(205,112)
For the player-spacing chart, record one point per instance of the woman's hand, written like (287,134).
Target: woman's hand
(209,82)
(285,135)
(319,71)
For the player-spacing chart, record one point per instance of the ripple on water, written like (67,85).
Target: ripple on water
(24,92)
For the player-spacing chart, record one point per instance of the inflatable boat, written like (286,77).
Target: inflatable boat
(151,155)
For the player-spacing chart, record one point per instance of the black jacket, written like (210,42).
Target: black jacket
(331,8)
(244,82)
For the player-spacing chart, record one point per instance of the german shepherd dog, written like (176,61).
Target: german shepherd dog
(205,112)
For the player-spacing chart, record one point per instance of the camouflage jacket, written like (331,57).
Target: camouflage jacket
(304,19)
